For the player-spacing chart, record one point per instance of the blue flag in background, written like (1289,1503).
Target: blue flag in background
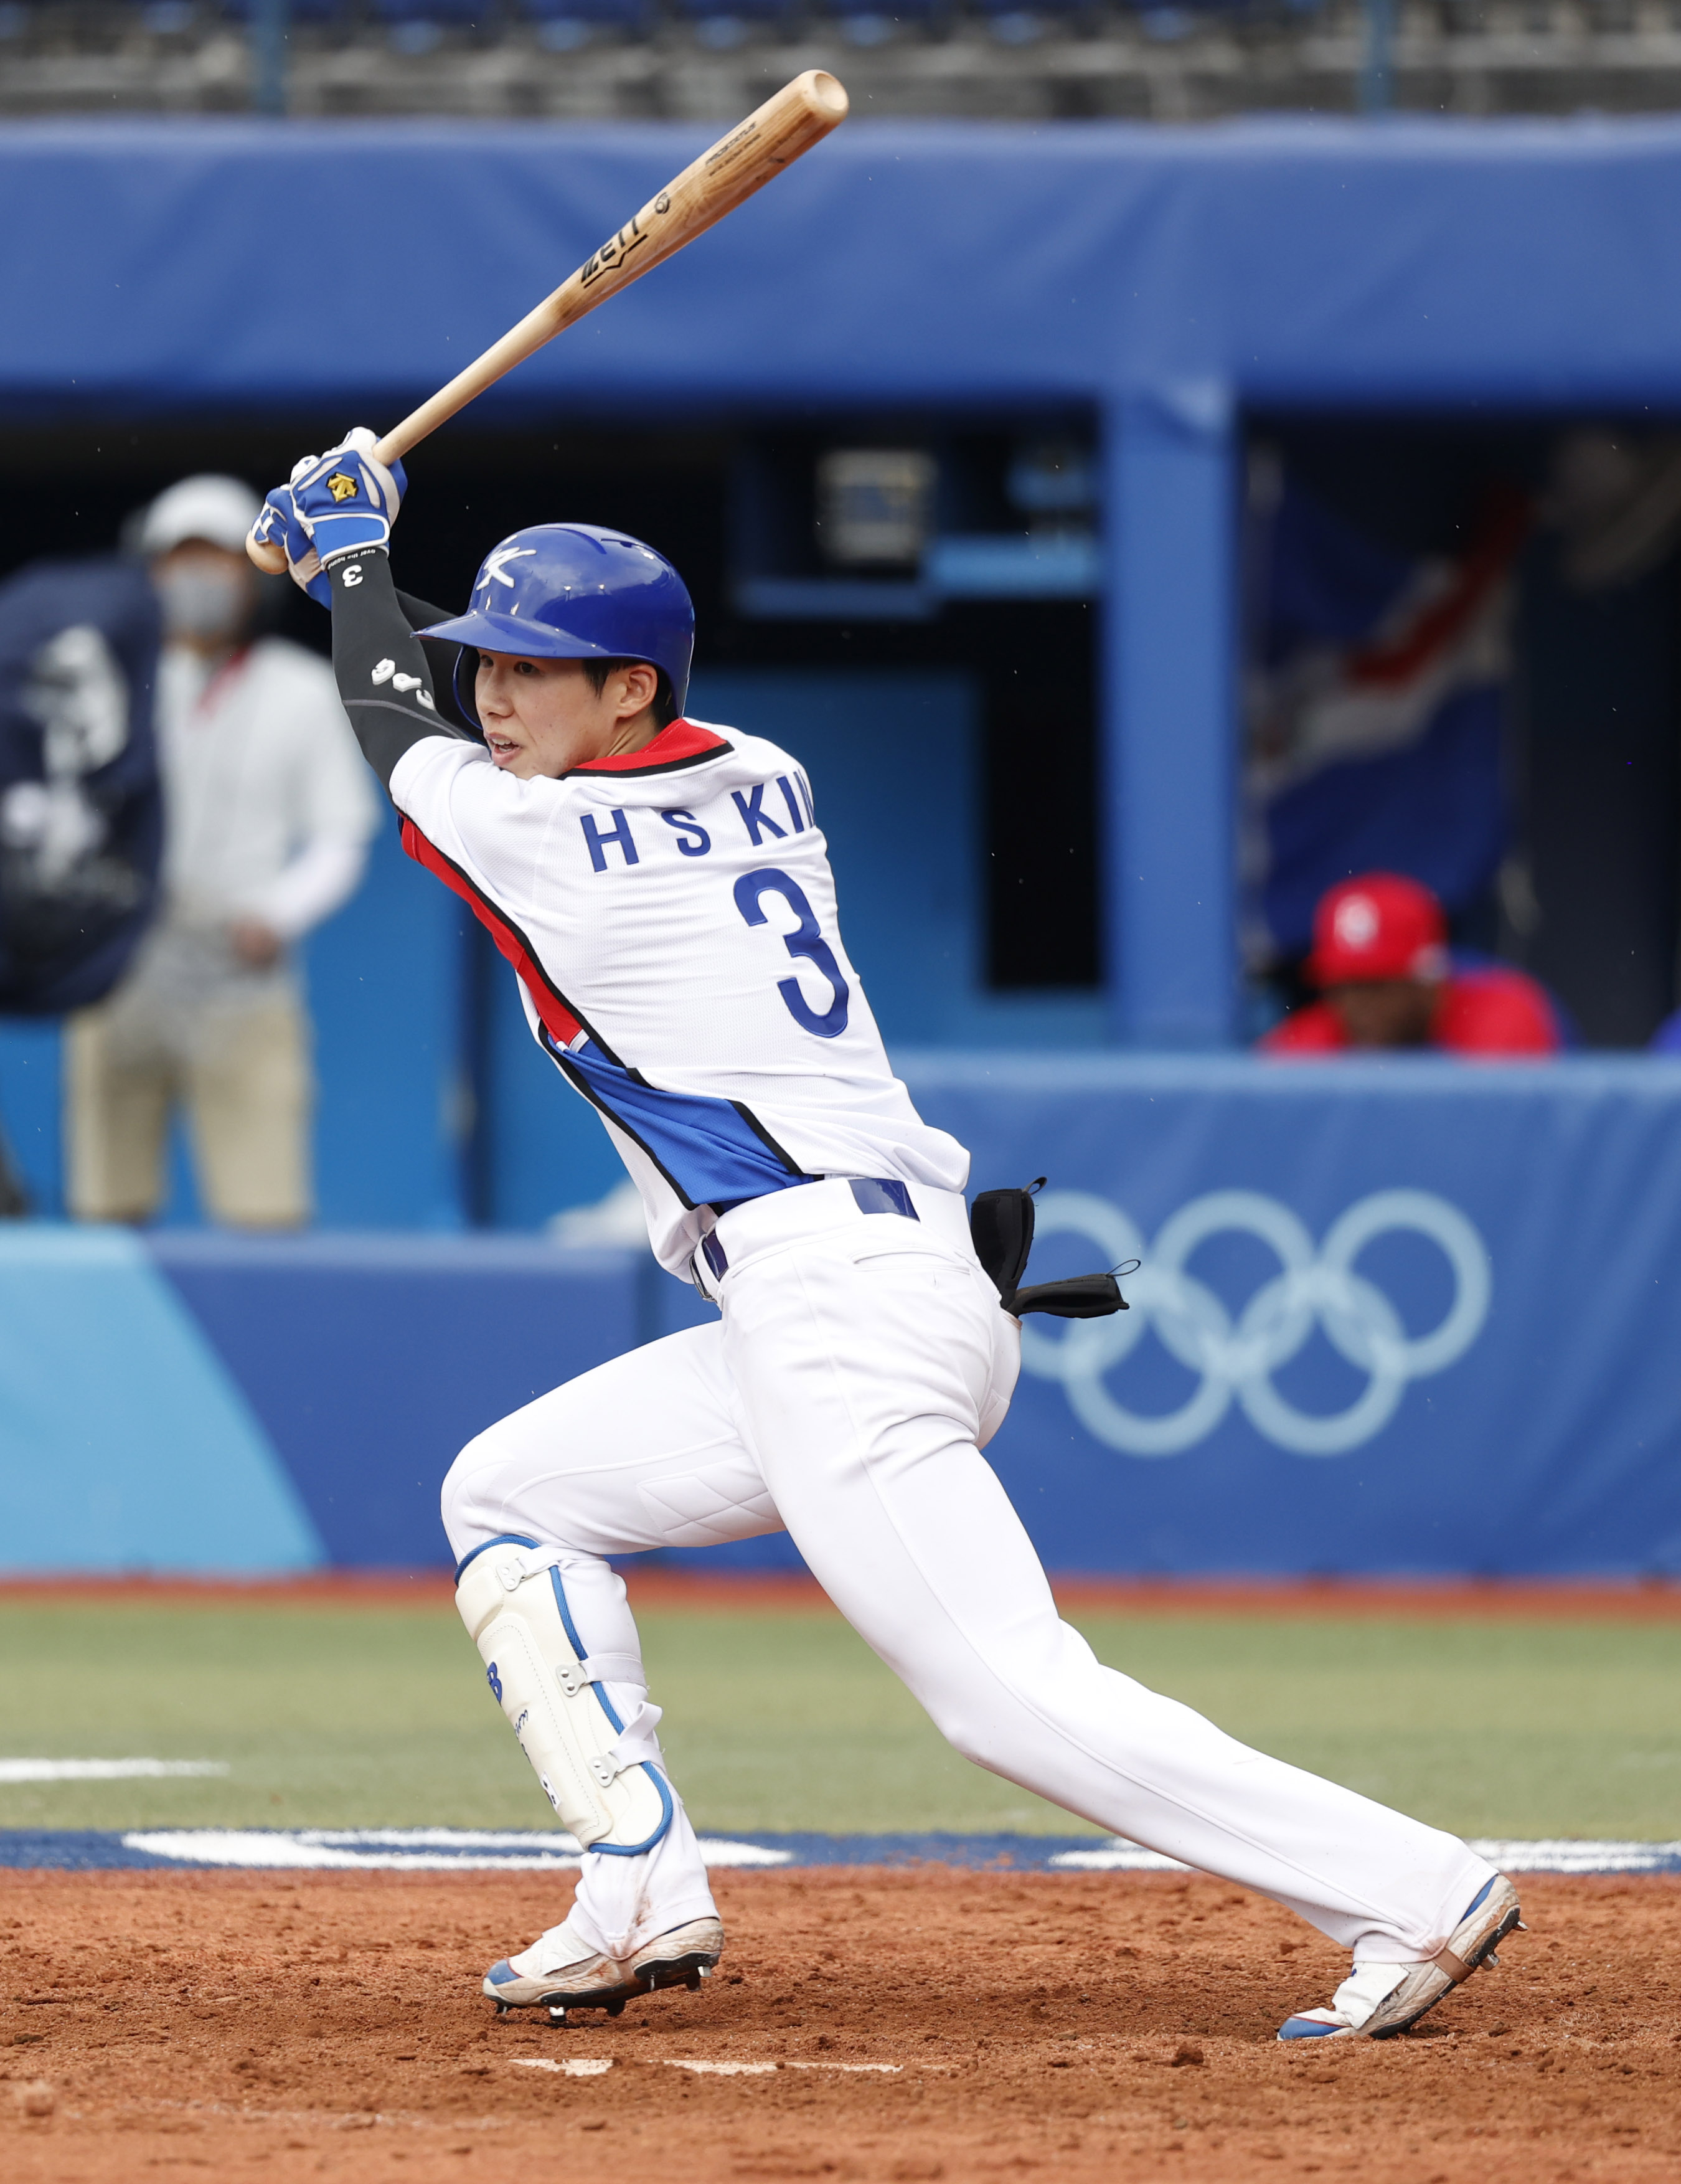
(81,808)
(1375,702)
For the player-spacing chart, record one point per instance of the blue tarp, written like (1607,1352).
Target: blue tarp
(172,264)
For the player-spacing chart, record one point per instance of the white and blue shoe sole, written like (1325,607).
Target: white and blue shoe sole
(1426,1984)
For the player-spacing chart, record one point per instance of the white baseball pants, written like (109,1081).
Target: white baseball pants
(861,1363)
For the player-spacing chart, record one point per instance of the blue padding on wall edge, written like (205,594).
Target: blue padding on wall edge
(126,1443)
(1348,1348)
(1183,259)
(372,1359)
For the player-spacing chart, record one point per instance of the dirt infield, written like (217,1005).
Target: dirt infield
(883,2025)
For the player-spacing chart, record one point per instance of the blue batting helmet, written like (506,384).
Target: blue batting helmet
(569,590)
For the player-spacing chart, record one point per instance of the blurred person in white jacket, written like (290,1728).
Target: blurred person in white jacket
(268,815)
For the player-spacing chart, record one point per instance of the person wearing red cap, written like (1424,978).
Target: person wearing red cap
(1380,958)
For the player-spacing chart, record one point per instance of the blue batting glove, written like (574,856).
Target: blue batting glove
(346,499)
(340,503)
(279,525)
(335,503)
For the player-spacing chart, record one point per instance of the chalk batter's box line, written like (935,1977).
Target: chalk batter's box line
(444,1850)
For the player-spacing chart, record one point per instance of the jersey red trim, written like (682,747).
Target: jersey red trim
(682,744)
(556,1018)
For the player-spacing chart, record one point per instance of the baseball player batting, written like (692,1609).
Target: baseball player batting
(661,888)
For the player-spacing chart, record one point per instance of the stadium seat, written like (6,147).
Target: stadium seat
(419,26)
(454,14)
(724,25)
(563,25)
(1013,25)
(302,11)
(875,22)
(1165,25)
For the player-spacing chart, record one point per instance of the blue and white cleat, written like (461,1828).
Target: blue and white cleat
(1377,2001)
(548,1976)
(542,1977)
(683,1956)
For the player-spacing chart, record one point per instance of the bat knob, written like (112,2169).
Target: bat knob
(268,557)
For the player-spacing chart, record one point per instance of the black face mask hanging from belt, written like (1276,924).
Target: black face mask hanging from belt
(1001,1226)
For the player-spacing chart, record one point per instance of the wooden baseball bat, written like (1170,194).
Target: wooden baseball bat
(801,114)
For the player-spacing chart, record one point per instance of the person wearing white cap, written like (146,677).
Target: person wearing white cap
(267,819)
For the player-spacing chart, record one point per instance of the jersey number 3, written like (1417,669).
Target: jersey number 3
(805,940)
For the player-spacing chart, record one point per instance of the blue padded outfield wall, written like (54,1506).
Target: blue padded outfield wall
(1392,1317)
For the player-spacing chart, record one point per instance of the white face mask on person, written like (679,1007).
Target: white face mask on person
(202,603)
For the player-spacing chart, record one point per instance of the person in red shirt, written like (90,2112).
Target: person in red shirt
(1380,957)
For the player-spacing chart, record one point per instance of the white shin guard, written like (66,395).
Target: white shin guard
(601,1772)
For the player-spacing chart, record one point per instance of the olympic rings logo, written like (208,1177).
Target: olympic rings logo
(1236,1360)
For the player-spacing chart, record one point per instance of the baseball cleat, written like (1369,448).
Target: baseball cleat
(535,1981)
(1377,2000)
(542,1978)
(681,1957)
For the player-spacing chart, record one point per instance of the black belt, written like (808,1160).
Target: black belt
(871,1194)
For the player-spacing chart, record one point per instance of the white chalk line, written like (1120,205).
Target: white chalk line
(1565,1856)
(581,2066)
(104,1770)
(402,1850)
(1562,1855)
(508,1850)
(1115,1857)
(755,2070)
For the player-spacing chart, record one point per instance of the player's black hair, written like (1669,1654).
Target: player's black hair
(665,700)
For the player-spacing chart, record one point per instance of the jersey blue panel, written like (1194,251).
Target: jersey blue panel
(710,1149)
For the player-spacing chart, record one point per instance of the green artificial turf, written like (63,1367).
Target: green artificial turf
(332,1716)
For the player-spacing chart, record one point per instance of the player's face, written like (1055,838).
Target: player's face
(1385,1011)
(542,717)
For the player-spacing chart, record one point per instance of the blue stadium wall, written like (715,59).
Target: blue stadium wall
(1392,1319)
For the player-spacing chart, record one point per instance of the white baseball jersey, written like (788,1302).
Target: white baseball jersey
(672,917)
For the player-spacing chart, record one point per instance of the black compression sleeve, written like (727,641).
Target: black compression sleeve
(384,678)
(420,615)
(441,654)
